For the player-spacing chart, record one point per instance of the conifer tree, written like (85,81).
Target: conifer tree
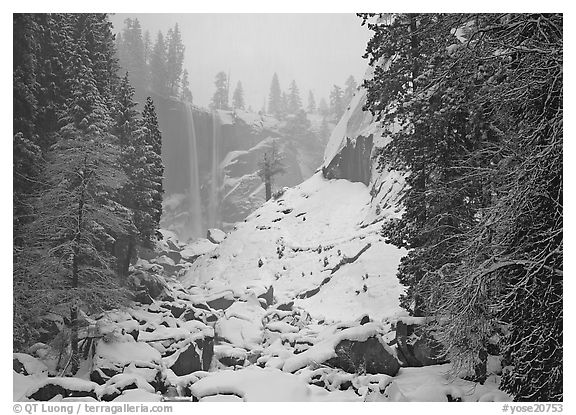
(158,69)
(132,55)
(220,97)
(275,97)
(75,216)
(238,97)
(350,89)
(336,102)
(311,103)
(294,101)
(174,59)
(185,93)
(271,165)
(323,108)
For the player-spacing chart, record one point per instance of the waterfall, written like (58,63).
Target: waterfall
(213,213)
(195,206)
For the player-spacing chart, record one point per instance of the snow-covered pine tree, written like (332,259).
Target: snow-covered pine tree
(131,53)
(350,88)
(147,178)
(220,97)
(311,108)
(336,102)
(294,101)
(275,97)
(69,241)
(238,97)
(185,93)
(174,58)
(158,69)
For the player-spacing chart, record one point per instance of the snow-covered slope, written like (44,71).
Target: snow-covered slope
(319,244)
(308,240)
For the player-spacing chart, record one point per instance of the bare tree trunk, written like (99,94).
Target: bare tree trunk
(268,185)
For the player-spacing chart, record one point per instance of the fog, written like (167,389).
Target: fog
(315,50)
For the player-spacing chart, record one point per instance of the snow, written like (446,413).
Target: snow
(299,226)
(324,350)
(122,353)
(31,364)
(199,247)
(69,383)
(216,235)
(138,395)
(255,384)
(434,383)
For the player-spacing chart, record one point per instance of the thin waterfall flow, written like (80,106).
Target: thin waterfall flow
(195,206)
(213,214)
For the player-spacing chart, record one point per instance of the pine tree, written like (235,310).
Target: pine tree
(174,59)
(220,97)
(132,55)
(323,109)
(271,165)
(185,93)
(275,97)
(311,103)
(336,102)
(349,90)
(145,178)
(238,97)
(69,240)
(294,101)
(158,69)
(284,105)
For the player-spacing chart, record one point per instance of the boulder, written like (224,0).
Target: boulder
(368,356)
(65,387)
(416,347)
(150,283)
(215,236)
(27,365)
(268,296)
(188,361)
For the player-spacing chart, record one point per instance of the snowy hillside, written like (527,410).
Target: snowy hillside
(309,246)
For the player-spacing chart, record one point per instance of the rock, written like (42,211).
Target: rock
(143,297)
(416,347)
(188,361)
(152,284)
(369,356)
(215,236)
(353,162)
(286,306)
(221,303)
(268,296)
(28,365)
(65,387)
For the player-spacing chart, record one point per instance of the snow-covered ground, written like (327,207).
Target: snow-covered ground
(309,239)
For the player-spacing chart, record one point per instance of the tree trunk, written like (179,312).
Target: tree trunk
(75,358)
(268,185)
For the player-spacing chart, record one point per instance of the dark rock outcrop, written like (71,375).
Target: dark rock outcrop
(369,356)
(416,347)
(353,162)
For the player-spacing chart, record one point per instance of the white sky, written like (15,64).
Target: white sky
(316,50)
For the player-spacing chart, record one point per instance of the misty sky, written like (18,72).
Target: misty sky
(316,50)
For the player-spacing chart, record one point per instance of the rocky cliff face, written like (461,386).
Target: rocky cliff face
(228,147)
(351,154)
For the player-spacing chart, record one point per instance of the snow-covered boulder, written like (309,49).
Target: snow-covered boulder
(28,365)
(49,388)
(353,349)
(215,235)
(125,355)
